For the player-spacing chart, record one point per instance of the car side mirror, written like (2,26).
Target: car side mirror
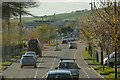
(56,67)
(113,56)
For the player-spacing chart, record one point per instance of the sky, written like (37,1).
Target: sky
(49,8)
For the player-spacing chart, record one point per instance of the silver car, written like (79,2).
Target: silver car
(59,74)
(28,60)
(31,53)
(71,65)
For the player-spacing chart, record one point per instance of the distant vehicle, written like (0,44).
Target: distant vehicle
(73,45)
(112,59)
(59,75)
(31,53)
(71,65)
(35,45)
(64,41)
(28,60)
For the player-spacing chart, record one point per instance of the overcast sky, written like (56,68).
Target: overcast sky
(49,8)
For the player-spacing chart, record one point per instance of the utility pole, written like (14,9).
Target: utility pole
(115,5)
(20,26)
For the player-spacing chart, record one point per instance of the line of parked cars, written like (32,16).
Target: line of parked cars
(72,44)
(67,69)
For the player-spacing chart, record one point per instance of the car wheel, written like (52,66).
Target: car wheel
(21,66)
(111,64)
(35,66)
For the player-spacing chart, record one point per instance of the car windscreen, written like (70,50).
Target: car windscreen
(30,53)
(68,65)
(59,75)
(28,57)
(33,42)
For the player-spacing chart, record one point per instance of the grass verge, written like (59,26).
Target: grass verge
(53,44)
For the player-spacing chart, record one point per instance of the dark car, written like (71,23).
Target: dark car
(64,41)
(59,75)
(35,45)
(71,65)
(73,45)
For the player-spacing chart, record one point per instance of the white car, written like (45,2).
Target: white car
(112,59)
(31,53)
(28,60)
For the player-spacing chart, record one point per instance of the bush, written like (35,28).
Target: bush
(6,63)
(112,75)
(106,71)
(53,44)
(86,55)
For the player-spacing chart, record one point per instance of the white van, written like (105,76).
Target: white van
(111,61)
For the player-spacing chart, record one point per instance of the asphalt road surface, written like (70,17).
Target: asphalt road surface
(49,61)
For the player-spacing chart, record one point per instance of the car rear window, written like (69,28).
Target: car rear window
(68,65)
(28,57)
(59,75)
(30,53)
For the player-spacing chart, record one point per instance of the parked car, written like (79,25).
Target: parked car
(28,60)
(64,41)
(71,65)
(59,75)
(31,53)
(73,45)
(111,61)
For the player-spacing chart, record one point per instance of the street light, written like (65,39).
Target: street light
(56,39)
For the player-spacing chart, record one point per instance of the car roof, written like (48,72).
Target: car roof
(27,55)
(30,52)
(59,71)
(67,60)
(73,43)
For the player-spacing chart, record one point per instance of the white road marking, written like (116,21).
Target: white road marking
(97,73)
(88,68)
(86,73)
(53,62)
(79,65)
(51,66)
(35,76)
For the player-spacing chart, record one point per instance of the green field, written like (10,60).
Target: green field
(58,17)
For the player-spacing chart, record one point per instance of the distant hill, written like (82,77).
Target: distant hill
(58,20)
(57,17)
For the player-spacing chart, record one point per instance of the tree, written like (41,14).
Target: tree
(45,32)
(12,10)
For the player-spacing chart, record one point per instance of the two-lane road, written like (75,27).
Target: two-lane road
(49,61)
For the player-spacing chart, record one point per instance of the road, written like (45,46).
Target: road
(49,61)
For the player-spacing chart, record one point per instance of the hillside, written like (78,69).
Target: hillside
(57,17)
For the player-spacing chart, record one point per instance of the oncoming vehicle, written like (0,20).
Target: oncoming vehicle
(73,45)
(71,65)
(28,60)
(59,75)
(35,45)
(64,41)
(31,53)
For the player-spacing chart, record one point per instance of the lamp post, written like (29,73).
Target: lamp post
(56,39)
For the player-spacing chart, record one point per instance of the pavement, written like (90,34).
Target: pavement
(49,61)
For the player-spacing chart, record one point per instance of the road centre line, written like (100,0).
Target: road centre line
(51,66)
(35,76)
